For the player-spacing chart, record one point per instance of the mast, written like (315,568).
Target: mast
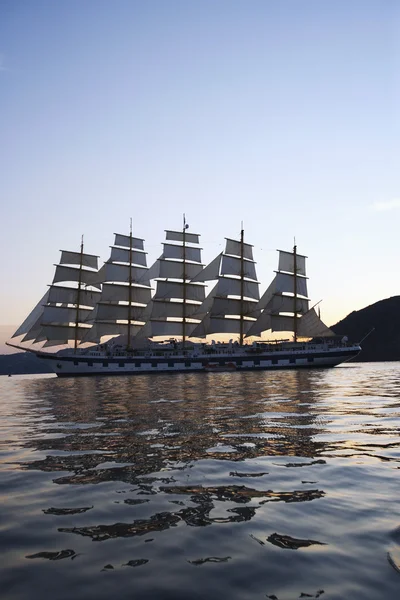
(172,310)
(125,294)
(128,342)
(184,284)
(241,284)
(286,294)
(78,296)
(295,291)
(230,307)
(63,314)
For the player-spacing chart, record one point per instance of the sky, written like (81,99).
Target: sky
(281,115)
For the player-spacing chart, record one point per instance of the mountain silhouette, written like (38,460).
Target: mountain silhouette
(383,317)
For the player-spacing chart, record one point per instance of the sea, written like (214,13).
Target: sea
(240,486)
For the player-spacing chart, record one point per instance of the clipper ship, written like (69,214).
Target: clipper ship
(107,322)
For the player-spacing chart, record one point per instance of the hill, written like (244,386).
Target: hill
(384,342)
(22,363)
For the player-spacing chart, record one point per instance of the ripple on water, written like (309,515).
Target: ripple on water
(111,486)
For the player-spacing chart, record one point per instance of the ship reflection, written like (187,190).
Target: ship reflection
(151,433)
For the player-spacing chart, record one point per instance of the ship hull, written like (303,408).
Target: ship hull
(85,365)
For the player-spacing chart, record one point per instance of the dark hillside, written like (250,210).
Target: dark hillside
(22,363)
(384,341)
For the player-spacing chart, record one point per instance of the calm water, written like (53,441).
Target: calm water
(279,485)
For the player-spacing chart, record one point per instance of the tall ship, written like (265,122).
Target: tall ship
(129,318)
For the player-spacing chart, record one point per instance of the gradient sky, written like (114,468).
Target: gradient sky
(281,114)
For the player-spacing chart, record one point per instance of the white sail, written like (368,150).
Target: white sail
(63,274)
(233,295)
(110,330)
(232,287)
(179,236)
(114,292)
(310,325)
(282,323)
(280,302)
(285,306)
(210,325)
(118,312)
(33,319)
(267,295)
(59,317)
(65,295)
(206,305)
(33,333)
(172,269)
(125,255)
(79,258)
(233,266)
(285,282)
(173,289)
(234,247)
(123,298)
(263,323)
(161,309)
(276,323)
(128,241)
(233,306)
(182,252)
(176,297)
(142,336)
(52,343)
(286,262)
(210,272)
(61,334)
(64,314)
(124,273)
(152,272)
(169,328)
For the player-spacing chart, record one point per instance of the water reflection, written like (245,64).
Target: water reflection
(54,555)
(289,542)
(224,471)
(142,431)
(276,412)
(152,422)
